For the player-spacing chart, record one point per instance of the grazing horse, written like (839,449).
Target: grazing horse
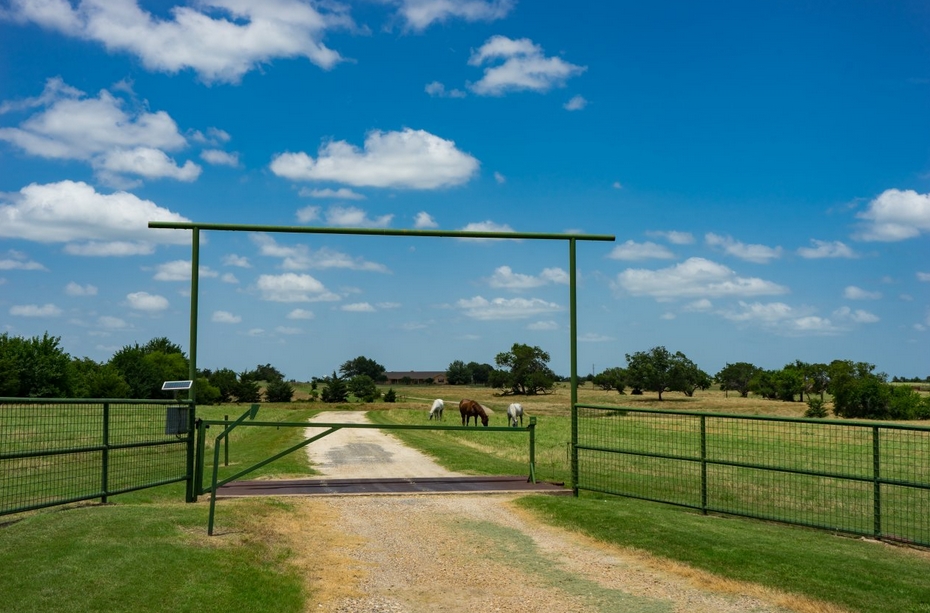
(436,409)
(514,411)
(469,409)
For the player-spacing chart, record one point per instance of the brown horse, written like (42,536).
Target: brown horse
(469,409)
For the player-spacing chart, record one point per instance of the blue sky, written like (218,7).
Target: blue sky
(765,168)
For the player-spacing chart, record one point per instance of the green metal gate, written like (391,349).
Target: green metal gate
(58,451)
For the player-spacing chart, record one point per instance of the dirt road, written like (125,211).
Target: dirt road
(475,553)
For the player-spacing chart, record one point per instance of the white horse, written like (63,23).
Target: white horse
(514,411)
(436,409)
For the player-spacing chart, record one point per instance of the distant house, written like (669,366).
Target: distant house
(416,377)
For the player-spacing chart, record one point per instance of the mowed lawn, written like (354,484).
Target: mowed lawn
(148,551)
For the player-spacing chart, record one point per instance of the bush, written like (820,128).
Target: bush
(279,391)
(816,407)
(363,387)
(390,395)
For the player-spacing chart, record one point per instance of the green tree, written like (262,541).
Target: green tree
(363,366)
(225,380)
(90,379)
(363,387)
(248,391)
(279,390)
(35,367)
(335,390)
(145,368)
(457,373)
(736,377)
(263,372)
(390,395)
(611,378)
(527,368)
(480,373)
(686,377)
(206,393)
(788,383)
(650,370)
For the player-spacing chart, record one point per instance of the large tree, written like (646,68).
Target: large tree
(611,378)
(145,368)
(363,366)
(658,370)
(523,370)
(736,377)
(36,367)
(335,390)
(457,373)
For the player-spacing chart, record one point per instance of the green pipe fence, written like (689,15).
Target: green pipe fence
(229,426)
(58,451)
(863,478)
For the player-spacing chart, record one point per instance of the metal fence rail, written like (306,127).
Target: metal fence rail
(861,478)
(57,451)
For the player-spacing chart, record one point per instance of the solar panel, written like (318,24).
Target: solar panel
(170,386)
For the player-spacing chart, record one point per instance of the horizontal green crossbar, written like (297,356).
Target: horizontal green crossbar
(179,225)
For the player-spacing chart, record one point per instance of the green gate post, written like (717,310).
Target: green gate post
(703,466)
(532,429)
(573,324)
(105,468)
(199,457)
(190,494)
(877,485)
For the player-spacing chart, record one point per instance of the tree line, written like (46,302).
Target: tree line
(39,367)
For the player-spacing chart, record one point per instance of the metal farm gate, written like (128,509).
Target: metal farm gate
(58,451)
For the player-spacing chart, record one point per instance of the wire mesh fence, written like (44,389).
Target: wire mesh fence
(59,451)
(862,478)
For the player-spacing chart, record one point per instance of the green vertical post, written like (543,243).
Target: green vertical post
(573,327)
(191,495)
(876,484)
(105,460)
(226,445)
(703,465)
(201,445)
(532,429)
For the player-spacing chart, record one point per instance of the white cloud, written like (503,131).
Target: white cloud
(519,65)
(591,337)
(759,254)
(343,193)
(673,236)
(505,308)
(388,305)
(308,214)
(616,185)
(855,293)
(543,326)
(101,132)
(111,323)
(290,331)
(239,261)
(17,260)
(632,250)
(352,217)
(412,159)
(300,314)
(180,270)
(358,307)
(485,226)
(69,211)
(576,103)
(693,278)
(143,301)
(424,221)
(221,42)
(218,157)
(856,316)
(501,179)
(438,90)
(300,257)
(824,249)
(34,310)
(229,278)
(923,276)
(420,14)
(896,215)
(505,278)
(291,287)
(781,317)
(225,317)
(75,289)
(702,304)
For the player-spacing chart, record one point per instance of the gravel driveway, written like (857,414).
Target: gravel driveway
(476,553)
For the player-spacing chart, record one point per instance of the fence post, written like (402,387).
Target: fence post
(199,457)
(532,429)
(105,460)
(190,494)
(226,445)
(876,481)
(703,465)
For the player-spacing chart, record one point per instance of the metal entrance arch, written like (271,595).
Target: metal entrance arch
(572,240)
